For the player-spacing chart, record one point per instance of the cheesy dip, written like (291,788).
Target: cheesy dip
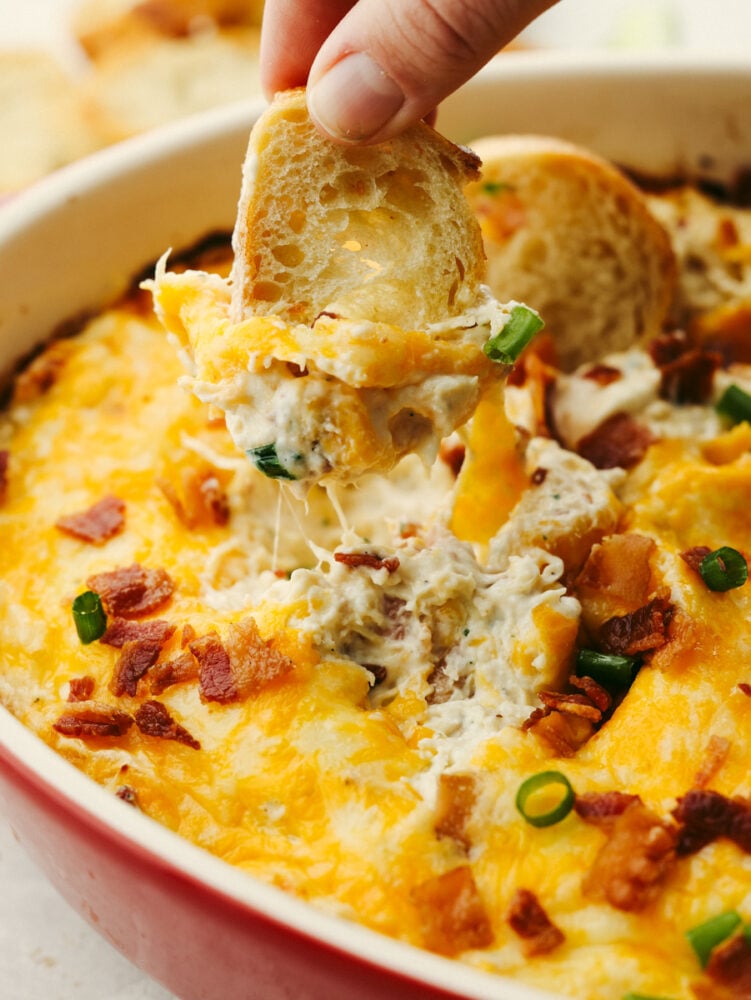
(496,707)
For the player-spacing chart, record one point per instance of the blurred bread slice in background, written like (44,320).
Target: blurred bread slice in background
(568,233)
(102,25)
(141,85)
(44,121)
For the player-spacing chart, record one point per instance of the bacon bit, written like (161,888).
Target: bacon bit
(4,458)
(127,794)
(640,630)
(601,808)
(215,670)
(94,721)
(96,525)
(81,688)
(596,693)
(255,663)
(396,617)
(298,371)
(618,442)
(457,794)
(528,919)
(687,372)
(728,972)
(633,862)
(241,667)
(564,734)
(120,630)
(153,719)
(716,754)
(441,685)
(201,501)
(369,559)
(132,591)
(39,376)
(164,675)
(571,704)
(379,672)
(695,556)
(188,635)
(618,570)
(453,455)
(533,371)
(539,476)
(706,815)
(135,659)
(453,916)
(745,688)
(603,374)
(518,374)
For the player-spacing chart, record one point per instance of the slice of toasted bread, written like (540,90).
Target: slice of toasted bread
(568,233)
(380,233)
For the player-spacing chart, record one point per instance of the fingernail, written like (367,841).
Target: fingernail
(355,98)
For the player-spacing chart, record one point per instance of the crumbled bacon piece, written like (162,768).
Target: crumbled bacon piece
(98,523)
(727,975)
(539,476)
(94,721)
(153,719)
(617,573)
(640,630)
(527,918)
(601,808)
(135,659)
(596,693)
(457,794)
(369,559)
(705,815)
(215,670)
(745,688)
(687,372)
(120,630)
(695,557)
(633,862)
(81,688)
(132,591)
(188,635)
(452,913)
(201,501)
(564,734)
(618,442)
(394,610)
(571,704)
(453,455)
(41,374)
(4,458)
(241,666)
(715,755)
(127,794)
(603,374)
(164,675)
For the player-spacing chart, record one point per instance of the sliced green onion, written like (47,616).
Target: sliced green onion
(495,187)
(267,461)
(520,328)
(724,569)
(536,784)
(642,996)
(735,404)
(704,937)
(607,669)
(89,617)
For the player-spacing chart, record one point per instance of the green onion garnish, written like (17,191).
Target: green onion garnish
(520,328)
(735,404)
(536,784)
(495,187)
(642,996)
(724,569)
(607,669)
(89,617)
(267,461)
(704,937)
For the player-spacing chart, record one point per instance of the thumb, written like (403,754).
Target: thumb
(389,63)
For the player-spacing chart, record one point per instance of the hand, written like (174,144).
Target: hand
(373,67)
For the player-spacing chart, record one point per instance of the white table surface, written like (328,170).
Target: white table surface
(47,952)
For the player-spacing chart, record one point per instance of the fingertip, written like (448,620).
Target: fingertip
(354,100)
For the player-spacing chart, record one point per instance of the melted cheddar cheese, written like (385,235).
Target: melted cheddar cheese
(375,775)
